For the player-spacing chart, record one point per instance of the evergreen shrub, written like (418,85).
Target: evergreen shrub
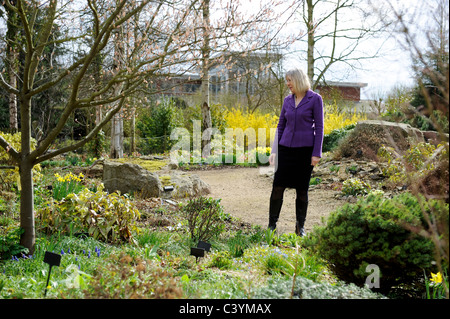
(156,125)
(375,230)
(331,140)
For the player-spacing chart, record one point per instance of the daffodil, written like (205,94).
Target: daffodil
(436,278)
(59,178)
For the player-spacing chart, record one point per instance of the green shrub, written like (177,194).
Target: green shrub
(331,141)
(418,161)
(10,178)
(107,217)
(205,218)
(373,231)
(156,126)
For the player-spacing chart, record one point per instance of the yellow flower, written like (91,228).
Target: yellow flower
(436,278)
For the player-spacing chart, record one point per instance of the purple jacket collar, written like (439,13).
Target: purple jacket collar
(308,96)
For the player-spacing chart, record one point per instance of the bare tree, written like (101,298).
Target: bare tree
(229,37)
(335,32)
(263,80)
(158,47)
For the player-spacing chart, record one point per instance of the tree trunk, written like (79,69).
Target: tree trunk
(28,237)
(133,131)
(117,136)
(206,111)
(12,64)
(117,121)
(13,125)
(311,41)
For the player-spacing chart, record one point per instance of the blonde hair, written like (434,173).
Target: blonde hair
(299,80)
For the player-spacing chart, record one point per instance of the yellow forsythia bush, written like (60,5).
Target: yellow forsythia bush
(237,119)
(10,176)
(333,119)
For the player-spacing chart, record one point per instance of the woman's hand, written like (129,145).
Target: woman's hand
(272,159)
(314,160)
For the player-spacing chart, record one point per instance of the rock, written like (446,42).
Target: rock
(133,178)
(94,171)
(130,178)
(267,171)
(368,136)
(434,137)
(376,177)
(172,165)
(372,167)
(185,185)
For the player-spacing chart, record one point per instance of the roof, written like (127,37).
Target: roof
(343,84)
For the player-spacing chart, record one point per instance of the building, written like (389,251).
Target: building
(251,76)
(348,91)
(240,73)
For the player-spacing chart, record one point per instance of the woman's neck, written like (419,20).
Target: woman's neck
(298,97)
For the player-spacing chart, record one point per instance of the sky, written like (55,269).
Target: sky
(385,72)
(391,68)
(381,74)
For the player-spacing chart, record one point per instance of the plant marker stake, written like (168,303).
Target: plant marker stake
(197,252)
(53,260)
(204,245)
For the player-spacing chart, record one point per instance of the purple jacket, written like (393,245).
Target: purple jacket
(301,126)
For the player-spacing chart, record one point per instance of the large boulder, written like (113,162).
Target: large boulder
(368,136)
(182,185)
(130,178)
(133,178)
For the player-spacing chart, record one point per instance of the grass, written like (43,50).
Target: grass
(150,165)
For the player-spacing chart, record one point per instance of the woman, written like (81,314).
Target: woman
(297,147)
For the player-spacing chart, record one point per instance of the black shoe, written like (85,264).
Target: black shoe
(299,230)
(301,208)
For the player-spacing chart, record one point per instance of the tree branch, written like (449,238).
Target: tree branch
(88,137)
(9,149)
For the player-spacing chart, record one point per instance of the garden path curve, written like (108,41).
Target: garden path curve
(245,193)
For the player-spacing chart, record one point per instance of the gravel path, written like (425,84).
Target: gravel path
(245,193)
